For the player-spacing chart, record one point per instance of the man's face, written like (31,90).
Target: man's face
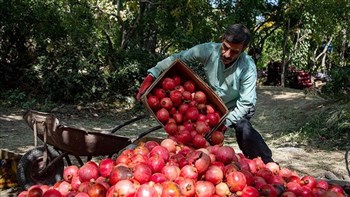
(230,51)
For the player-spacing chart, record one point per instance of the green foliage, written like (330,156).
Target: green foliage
(339,86)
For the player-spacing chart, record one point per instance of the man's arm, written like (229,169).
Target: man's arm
(197,53)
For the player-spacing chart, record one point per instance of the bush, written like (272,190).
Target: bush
(339,86)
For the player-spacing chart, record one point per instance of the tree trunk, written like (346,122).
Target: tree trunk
(343,48)
(284,64)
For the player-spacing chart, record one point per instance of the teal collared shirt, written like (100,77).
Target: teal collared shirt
(235,85)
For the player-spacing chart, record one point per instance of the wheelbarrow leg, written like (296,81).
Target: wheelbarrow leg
(81,163)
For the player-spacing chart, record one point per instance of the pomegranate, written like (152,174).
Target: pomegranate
(169,144)
(52,193)
(122,159)
(178,117)
(285,173)
(151,144)
(183,108)
(186,95)
(163,115)
(25,194)
(212,119)
(156,163)
(75,183)
(293,187)
(177,79)
(231,167)
(161,151)
(158,177)
(168,84)
(214,174)
(210,108)
(306,192)
(119,173)
(204,189)
(199,141)
(200,160)
(88,171)
(222,190)
(160,93)
(96,190)
(250,191)
(184,137)
(63,187)
(217,137)
(142,173)
(146,190)
(236,181)
(192,114)
(188,125)
(171,172)
(69,172)
(189,86)
(82,194)
(83,187)
(202,127)
(248,176)
(180,88)
(200,97)
(176,97)
(265,173)
(258,181)
(153,102)
(322,184)
(35,192)
(103,181)
(141,150)
(166,103)
(268,190)
(187,187)
(202,109)
(170,189)
(308,181)
(189,171)
(274,167)
(171,128)
(225,154)
(105,166)
(124,188)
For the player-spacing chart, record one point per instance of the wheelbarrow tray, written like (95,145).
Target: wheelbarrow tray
(73,140)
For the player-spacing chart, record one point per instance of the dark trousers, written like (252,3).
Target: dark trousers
(250,141)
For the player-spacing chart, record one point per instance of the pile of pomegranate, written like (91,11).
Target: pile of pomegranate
(168,169)
(186,163)
(185,111)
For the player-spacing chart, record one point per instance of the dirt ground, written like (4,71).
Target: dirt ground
(279,109)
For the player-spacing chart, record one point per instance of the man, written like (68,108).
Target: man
(232,75)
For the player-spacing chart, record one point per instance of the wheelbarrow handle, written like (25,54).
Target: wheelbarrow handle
(132,140)
(127,123)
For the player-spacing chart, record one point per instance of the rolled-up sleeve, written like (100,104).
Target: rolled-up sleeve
(197,53)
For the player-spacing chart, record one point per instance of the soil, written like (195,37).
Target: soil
(279,110)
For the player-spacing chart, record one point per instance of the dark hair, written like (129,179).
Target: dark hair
(237,33)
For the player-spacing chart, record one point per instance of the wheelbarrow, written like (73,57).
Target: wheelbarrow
(44,164)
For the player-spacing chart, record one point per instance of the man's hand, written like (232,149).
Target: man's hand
(144,86)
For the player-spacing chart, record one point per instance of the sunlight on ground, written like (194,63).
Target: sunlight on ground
(11,118)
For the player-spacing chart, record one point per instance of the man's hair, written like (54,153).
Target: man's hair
(237,33)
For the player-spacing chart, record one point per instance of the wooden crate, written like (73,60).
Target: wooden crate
(180,68)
